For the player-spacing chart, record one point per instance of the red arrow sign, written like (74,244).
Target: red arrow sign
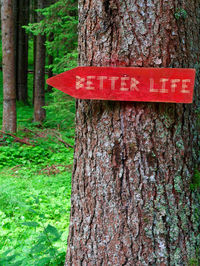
(127,84)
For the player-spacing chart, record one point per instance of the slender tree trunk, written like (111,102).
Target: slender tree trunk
(39,95)
(34,46)
(134,162)
(32,12)
(50,62)
(15,18)
(50,57)
(9,94)
(22,51)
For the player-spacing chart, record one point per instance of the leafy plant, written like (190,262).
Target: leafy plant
(195,180)
(34,219)
(61,111)
(181,13)
(35,189)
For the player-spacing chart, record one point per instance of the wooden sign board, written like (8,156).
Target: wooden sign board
(127,84)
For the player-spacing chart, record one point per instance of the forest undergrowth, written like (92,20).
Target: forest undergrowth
(35,185)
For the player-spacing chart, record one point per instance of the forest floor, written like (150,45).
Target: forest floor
(35,189)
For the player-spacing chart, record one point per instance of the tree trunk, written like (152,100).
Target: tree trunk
(50,62)
(15,18)
(22,51)
(134,162)
(39,95)
(34,47)
(9,93)
(32,11)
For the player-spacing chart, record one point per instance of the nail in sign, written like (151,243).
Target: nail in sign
(174,85)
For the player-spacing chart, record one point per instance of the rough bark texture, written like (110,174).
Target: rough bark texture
(9,94)
(133,162)
(22,51)
(39,92)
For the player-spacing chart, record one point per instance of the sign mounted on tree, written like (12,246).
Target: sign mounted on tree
(173,85)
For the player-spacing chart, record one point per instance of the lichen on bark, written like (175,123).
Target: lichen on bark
(133,162)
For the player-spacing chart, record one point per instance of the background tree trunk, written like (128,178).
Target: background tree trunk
(22,51)
(39,95)
(9,94)
(34,4)
(50,62)
(15,18)
(32,11)
(133,163)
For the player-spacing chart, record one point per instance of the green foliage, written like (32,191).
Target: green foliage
(35,188)
(22,155)
(35,198)
(30,54)
(0,50)
(181,14)
(47,153)
(195,180)
(61,110)
(34,219)
(195,261)
(60,21)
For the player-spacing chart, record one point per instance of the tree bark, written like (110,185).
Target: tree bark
(134,162)
(39,95)
(9,93)
(22,51)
